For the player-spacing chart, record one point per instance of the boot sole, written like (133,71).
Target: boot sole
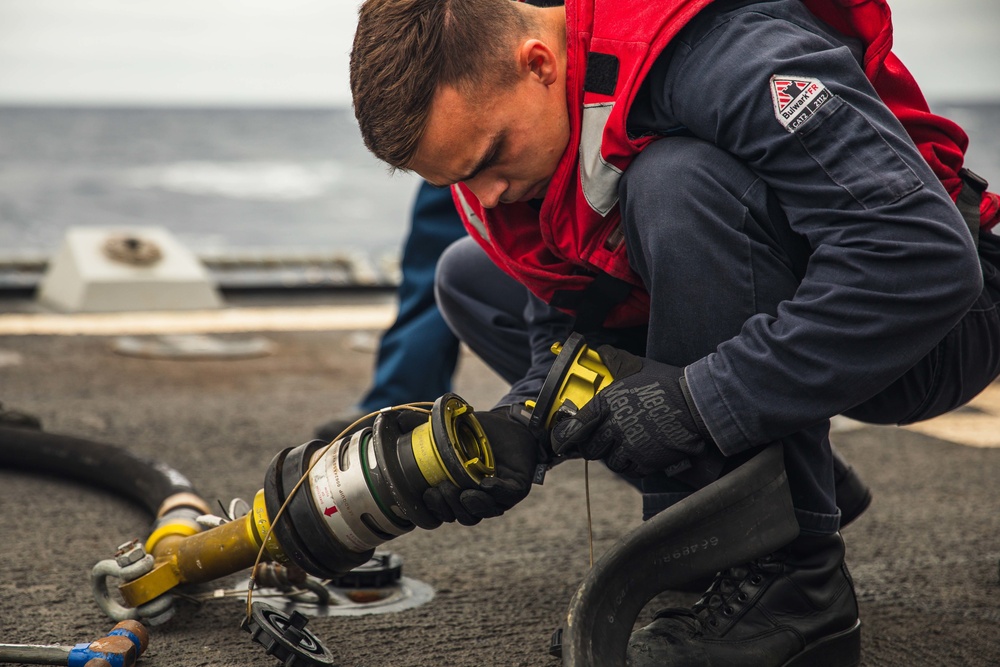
(840,650)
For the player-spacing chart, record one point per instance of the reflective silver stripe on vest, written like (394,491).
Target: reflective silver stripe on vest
(471,216)
(598,178)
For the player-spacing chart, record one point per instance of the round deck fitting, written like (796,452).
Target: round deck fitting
(377,587)
(286,637)
(384,569)
(404,594)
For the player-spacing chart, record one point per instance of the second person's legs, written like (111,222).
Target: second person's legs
(511,330)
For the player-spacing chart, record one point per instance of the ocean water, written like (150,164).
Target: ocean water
(221,180)
(236,181)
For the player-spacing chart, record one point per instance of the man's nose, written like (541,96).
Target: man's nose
(487,190)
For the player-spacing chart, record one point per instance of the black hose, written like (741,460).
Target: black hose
(108,467)
(742,516)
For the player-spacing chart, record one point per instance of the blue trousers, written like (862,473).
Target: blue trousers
(418,354)
(713,251)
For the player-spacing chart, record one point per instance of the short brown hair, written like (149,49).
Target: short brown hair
(404,49)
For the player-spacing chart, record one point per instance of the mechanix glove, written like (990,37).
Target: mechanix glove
(515,456)
(643,422)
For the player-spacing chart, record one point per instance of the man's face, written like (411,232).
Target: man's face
(505,148)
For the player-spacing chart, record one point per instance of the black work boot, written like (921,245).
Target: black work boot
(793,608)
(853,498)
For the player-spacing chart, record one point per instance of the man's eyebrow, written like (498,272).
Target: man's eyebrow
(489,156)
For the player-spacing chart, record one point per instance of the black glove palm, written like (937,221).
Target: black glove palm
(640,424)
(515,453)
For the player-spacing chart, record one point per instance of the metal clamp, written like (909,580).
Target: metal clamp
(130,562)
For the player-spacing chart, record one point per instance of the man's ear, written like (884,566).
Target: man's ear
(535,57)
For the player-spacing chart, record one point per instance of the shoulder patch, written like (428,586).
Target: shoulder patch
(796,99)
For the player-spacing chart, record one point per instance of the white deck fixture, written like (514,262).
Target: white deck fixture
(103,269)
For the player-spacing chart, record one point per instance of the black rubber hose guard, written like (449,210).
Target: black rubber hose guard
(99,464)
(742,516)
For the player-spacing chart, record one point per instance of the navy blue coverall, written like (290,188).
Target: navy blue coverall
(798,268)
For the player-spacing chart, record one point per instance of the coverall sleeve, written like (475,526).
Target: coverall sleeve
(893,267)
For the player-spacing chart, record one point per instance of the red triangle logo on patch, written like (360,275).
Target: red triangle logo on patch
(786,90)
(797,99)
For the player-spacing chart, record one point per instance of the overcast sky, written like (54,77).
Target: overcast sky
(294,52)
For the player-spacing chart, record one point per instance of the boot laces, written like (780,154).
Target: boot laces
(717,599)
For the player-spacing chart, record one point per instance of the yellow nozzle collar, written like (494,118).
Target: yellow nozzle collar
(585,376)
(259,528)
(467,443)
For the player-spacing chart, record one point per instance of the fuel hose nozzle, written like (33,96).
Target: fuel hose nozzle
(367,487)
(325,507)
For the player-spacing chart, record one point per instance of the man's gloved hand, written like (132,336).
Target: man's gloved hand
(515,454)
(641,423)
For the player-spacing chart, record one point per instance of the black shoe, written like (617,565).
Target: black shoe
(794,608)
(853,495)
(853,498)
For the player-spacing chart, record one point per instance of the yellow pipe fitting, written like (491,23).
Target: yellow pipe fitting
(179,528)
(195,557)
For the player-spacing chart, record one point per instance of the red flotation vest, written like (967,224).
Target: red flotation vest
(565,251)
